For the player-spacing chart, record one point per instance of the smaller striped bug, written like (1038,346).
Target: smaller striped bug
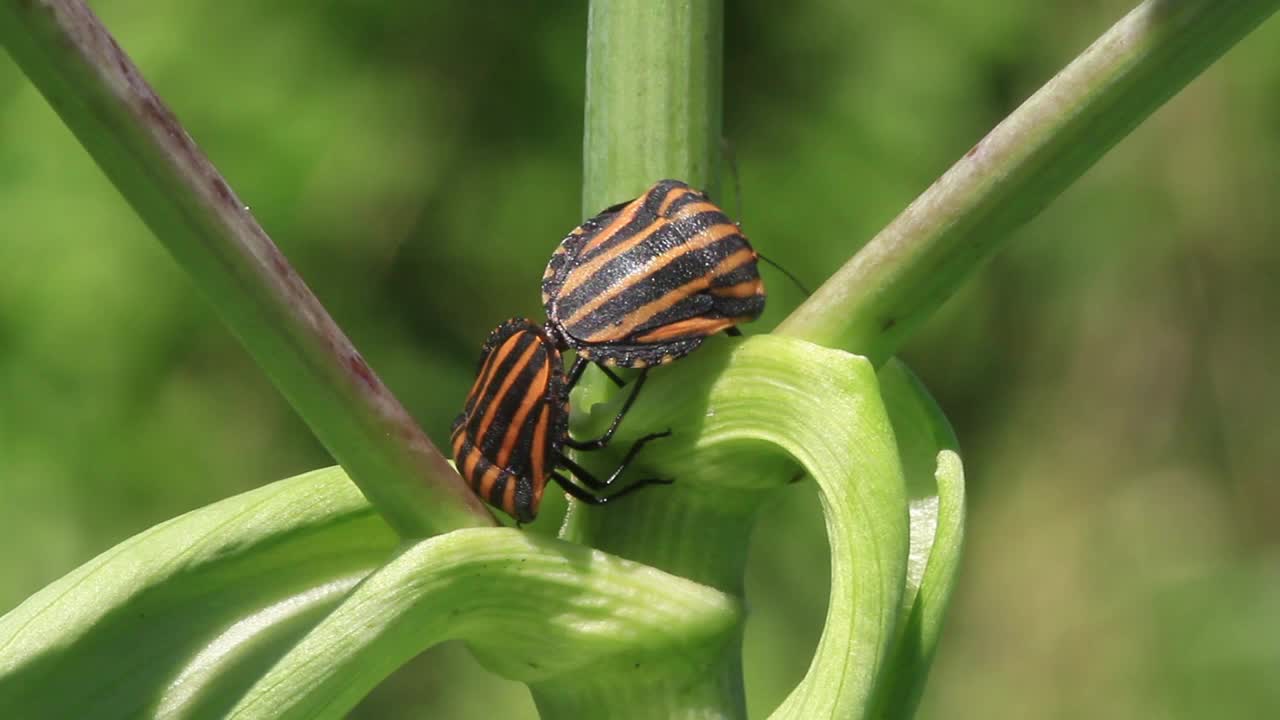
(509,439)
(646,281)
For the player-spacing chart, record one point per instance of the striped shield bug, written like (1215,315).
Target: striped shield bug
(646,281)
(509,439)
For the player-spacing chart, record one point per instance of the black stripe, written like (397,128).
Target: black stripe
(689,198)
(748,307)
(694,225)
(487,360)
(481,464)
(632,266)
(708,306)
(646,216)
(700,305)
(509,404)
(497,491)
(520,461)
(476,406)
(524,496)
(745,272)
(688,267)
(570,254)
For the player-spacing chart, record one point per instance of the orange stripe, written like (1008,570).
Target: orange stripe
(586,271)
(672,196)
(539,459)
(627,215)
(485,485)
(527,403)
(744,289)
(692,326)
(491,365)
(645,312)
(539,484)
(692,209)
(509,495)
(469,463)
(546,274)
(492,410)
(700,241)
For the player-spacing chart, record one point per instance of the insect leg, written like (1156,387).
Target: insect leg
(604,439)
(586,497)
(612,375)
(594,483)
(579,365)
(575,373)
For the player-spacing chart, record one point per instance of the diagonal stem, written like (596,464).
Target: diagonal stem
(897,280)
(138,143)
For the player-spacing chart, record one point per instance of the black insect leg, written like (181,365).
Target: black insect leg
(586,497)
(596,485)
(733,332)
(580,364)
(575,373)
(612,375)
(604,439)
(590,480)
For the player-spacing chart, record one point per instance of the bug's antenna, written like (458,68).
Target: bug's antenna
(786,272)
(726,147)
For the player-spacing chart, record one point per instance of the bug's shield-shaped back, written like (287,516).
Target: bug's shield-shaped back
(644,282)
(506,439)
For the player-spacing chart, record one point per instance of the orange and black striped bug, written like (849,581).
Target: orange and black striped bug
(646,281)
(509,439)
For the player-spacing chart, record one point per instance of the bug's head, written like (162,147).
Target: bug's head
(555,334)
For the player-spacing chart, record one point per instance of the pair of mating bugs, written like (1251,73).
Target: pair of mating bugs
(642,283)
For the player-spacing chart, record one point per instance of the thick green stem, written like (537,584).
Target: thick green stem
(138,143)
(653,112)
(898,279)
(653,97)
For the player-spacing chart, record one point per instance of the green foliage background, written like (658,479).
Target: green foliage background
(1110,375)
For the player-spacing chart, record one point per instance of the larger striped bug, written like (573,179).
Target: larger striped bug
(509,439)
(646,281)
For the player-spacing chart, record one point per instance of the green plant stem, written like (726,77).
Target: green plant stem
(653,97)
(653,111)
(893,283)
(138,143)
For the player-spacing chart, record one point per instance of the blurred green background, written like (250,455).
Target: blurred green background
(1110,375)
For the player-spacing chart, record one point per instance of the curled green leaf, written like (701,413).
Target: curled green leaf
(251,599)
(532,608)
(746,418)
(935,491)
(177,621)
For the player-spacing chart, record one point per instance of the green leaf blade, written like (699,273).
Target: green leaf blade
(935,483)
(532,608)
(177,619)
